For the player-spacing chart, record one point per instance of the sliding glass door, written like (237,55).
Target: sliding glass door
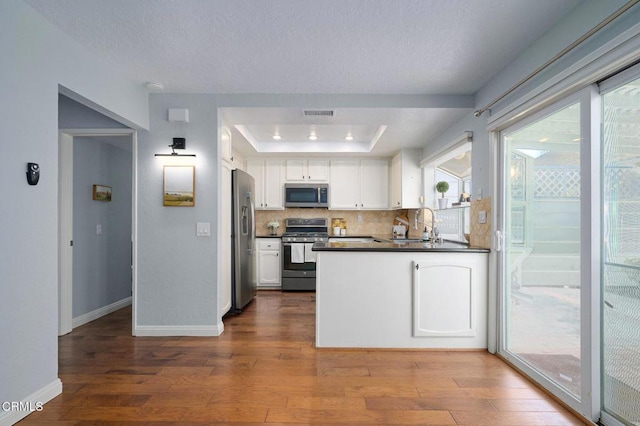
(568,243)
(621,249)
(541,260)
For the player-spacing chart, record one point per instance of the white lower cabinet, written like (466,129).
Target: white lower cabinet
(447,296)
(269,266)
(437,299)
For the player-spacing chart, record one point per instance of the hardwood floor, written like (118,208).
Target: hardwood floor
(264,369)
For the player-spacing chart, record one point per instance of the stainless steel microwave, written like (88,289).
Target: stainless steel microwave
(306,195)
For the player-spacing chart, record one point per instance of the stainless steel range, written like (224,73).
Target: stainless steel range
(298,260)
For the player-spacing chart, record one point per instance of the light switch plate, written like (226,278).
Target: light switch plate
(482,216)
(98,229)
(203,229)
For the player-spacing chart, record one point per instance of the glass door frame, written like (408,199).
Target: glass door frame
(589,99)
(612,83)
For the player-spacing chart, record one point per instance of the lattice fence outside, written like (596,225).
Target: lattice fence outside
(622,183)
(551,182)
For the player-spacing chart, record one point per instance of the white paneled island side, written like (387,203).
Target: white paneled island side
(412,295)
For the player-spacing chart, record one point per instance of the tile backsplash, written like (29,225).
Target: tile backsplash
(374,222)
(480,232)
(379,222)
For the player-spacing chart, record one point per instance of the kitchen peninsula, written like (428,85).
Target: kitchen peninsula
(401,295)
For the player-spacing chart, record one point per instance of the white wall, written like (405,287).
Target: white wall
(177,271)
(74,115)
(36,59)
(101,263)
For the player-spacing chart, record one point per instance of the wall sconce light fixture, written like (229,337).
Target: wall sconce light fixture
(178,143)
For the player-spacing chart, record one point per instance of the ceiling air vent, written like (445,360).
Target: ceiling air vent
(318,113)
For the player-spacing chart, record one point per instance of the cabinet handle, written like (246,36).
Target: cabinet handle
(356,204)
(277,254)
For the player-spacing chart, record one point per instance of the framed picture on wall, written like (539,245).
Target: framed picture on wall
(179,186)
(101,192)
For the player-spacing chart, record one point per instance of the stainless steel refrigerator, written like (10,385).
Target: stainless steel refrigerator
(243,240)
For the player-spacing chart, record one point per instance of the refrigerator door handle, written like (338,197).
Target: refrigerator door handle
(252,226)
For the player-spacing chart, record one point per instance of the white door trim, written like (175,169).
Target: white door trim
(65,233)
(65,219)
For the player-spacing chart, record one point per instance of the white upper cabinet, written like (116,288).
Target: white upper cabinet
(344,191)
(307,171)
(374,184)
(359,184)
(268,178)
(406,184)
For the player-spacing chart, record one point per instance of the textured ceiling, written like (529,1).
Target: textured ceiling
(308,46)
(396,47)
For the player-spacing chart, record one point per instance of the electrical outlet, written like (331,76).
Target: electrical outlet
(359,218)
(482,216)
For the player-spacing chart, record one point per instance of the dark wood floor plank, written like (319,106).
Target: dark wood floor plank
(265,369)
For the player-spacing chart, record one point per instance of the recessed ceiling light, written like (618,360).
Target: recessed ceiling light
(349,137)
(575,140)
(277,136)
(544,139)
(312,136)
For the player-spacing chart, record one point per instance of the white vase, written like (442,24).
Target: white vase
(442,203)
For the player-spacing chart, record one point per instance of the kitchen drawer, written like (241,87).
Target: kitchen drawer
(268,244)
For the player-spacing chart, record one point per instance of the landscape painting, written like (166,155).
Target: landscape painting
(179,186)
(101,193)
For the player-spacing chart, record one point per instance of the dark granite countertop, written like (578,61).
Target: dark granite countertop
(268,236)
(386,245)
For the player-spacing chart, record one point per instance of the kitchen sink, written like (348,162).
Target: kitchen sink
(407,240)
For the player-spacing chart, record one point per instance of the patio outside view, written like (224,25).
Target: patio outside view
(543,249)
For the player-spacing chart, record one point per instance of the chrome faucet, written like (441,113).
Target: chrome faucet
(433,221)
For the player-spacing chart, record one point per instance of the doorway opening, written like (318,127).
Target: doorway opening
(96,234)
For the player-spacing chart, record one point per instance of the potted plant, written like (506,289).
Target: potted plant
(442,187)
(273,226)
